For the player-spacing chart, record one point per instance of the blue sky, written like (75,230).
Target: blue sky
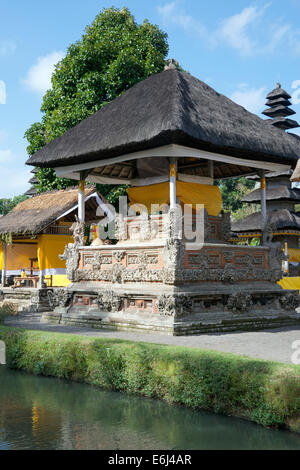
(240,48)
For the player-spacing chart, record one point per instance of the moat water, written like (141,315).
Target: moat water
(47,413)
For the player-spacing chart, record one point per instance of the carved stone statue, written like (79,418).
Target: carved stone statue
(71,255)
(77,228)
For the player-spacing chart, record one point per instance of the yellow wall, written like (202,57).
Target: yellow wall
(49,249)
(18,254)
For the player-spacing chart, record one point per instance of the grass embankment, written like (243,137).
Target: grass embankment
(262,391)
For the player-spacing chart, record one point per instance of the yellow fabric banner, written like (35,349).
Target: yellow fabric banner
(290,283)
(187,193)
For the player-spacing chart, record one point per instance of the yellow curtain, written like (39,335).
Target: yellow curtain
(187,193)
(290,283)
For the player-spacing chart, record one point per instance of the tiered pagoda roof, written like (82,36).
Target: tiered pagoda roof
(33,181)
(279,108)
(280,196)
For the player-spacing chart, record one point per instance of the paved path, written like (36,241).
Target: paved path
(269,344)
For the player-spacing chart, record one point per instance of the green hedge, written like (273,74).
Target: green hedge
(262,391)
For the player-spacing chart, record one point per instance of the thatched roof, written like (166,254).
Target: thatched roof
(272,174)
(35,214)
(274,194)
(282,219)
(171,107)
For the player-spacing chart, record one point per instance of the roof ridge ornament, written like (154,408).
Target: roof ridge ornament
(171,64)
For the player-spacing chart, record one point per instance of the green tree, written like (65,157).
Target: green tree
(6,205)
(114,54)
(233,190)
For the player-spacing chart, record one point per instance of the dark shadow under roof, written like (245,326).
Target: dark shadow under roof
(171,107)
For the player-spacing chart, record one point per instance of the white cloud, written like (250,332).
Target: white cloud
(38,78)
(250,98)
(242,31)
(2,92)
(14,174)
(7,48)
(6,156)
(234,29)
(174,14)
(14,181)
(296,93)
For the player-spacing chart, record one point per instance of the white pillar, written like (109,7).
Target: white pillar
(286,252)
(173,175)
(4,245)
(263,205)
(81,201)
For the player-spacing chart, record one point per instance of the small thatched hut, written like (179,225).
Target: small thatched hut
(36,231)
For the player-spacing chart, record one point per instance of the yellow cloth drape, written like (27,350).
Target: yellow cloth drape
(294,255)
(290,283)
(187,193)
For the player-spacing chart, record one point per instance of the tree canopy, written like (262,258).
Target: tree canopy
(6,205)
(233,190)
(114,54)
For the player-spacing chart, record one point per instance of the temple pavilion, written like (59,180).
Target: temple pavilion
(168,138)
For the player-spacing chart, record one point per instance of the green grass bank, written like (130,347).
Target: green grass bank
(265,392)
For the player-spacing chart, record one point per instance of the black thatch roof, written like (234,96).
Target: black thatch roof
(31,192)
(33,215)
(272,174)
(171,107)
(273,194)
(281,219)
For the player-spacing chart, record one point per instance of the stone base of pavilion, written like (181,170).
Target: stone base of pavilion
(179,312)
(30,299)
(170,288)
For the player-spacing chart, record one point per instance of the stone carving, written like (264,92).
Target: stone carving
(174,252)
(226,226)
(290,301)
(117,273)
(228,274)
(77,228)
(109,302)
(142,258)
(59,298)
(121,228)
(239,302)
(118,255)
(172,306)
(71,255)
(276,258)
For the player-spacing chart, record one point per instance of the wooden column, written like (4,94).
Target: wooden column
(4,245)
(173,175)
(81,201)
(263,198)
